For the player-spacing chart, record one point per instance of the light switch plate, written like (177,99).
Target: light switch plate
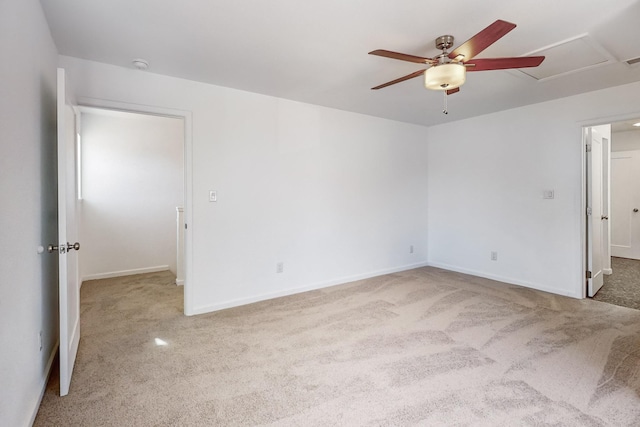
(213,197)
(547,194)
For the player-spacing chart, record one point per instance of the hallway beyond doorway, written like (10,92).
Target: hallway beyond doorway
(623,286)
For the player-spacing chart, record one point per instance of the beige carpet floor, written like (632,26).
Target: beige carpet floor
(421,347)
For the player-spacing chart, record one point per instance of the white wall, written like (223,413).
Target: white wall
(486,180)
(132,182)
(625,141)
(331,194)
(28,288)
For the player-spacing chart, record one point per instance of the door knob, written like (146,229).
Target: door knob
(604,217)
(635,210)
(75,246)
(63,249)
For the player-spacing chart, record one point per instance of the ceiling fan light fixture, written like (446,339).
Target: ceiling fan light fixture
(445,76)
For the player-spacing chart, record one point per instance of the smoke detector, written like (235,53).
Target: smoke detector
(140,64)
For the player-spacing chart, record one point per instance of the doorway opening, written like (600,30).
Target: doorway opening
(612,224)
(132,195)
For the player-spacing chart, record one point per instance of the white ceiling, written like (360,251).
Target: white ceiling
(626,126)
(316,51)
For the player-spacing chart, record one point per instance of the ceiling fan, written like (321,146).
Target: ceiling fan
(447,71)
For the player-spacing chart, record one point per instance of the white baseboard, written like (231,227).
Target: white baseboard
(47,371)
(504,279)
(179,282)
(292,291)
(125,272)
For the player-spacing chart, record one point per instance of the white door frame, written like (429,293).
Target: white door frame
(606,208)
(583,194)
(188,177)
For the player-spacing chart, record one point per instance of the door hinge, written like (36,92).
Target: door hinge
(185,226)
(588,274)
(589,211)
(588,148)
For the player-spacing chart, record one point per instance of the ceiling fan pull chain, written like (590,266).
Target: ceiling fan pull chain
(445,109)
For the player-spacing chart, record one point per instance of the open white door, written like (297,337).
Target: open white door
(69,290)
(595,216)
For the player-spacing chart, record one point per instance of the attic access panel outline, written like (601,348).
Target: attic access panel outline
(569,56)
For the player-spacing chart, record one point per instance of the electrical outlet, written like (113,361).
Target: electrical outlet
(411,249)
(280,267)
(40,340)
(494,256)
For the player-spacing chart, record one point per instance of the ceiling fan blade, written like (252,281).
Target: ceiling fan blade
(452,91)
(401,79)
(485,64)
(482,40)
(401,56)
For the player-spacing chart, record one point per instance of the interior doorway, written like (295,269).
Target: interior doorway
(131,188)
(620,217)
